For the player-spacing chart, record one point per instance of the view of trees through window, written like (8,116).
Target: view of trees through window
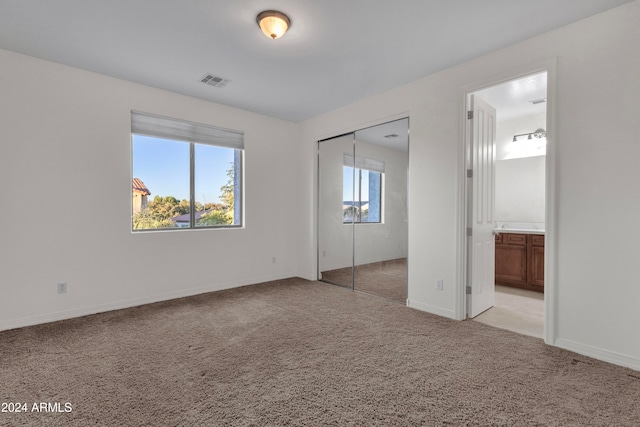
(164,172)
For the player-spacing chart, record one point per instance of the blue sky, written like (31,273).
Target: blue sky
(347,184)
(163,166)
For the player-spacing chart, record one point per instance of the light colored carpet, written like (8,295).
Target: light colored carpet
(517,310)
(295,353)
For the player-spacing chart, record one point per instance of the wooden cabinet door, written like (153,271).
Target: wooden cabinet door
(535,268)
(520,261)
(511,261)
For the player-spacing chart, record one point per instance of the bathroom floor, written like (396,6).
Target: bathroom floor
(517,310)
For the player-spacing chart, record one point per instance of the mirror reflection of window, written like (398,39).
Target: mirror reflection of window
(362,203)
(362,190)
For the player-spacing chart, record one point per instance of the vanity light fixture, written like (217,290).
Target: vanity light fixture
(273,23)
(538,133)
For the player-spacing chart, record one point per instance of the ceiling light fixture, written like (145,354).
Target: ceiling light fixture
(273,23)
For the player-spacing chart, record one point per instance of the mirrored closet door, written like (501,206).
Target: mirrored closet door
(335,236)
(362,210)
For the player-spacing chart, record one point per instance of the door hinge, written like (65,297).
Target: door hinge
(469,173)
(469,232)
(468,290)
(469,115)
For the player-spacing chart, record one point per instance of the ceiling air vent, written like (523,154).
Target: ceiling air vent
(215,81)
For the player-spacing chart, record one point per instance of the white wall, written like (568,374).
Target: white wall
(67,135)
(520,171)
(507,148)
(389,239)
(520,190)
(597,134)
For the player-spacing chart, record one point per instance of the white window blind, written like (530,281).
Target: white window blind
(182,130)
(363,163)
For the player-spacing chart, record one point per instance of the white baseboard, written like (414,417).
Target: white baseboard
(307,276)
(360,262)
(134,302)
(336,266)
(444,312)
(599,353)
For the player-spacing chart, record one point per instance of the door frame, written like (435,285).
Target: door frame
(550,263)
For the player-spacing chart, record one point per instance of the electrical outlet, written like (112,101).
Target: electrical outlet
(62,288)
(439,284)
(273,260)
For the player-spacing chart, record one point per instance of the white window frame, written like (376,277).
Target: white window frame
(193,133)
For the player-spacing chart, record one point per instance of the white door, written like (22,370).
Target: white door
(481,253)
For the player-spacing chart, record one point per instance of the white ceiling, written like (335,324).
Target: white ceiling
(335,53)
(513,98)
(392,135)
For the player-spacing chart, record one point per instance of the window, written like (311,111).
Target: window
(362,190)
(185,175)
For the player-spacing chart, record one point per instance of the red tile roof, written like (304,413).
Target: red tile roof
(139,187)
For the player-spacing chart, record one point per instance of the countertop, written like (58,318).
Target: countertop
(519,231)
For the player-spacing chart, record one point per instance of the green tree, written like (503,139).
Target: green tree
(159,213)
(214,207)
(167,207)
(215,217)
(146,220)
(227,190)
(183,207)
(222,213)
(161,210)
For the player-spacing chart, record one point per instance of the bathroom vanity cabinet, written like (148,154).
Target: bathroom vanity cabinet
(520,261)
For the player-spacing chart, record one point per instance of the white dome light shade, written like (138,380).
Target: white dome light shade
(273,23)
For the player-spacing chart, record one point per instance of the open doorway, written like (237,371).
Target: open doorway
(516,180)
